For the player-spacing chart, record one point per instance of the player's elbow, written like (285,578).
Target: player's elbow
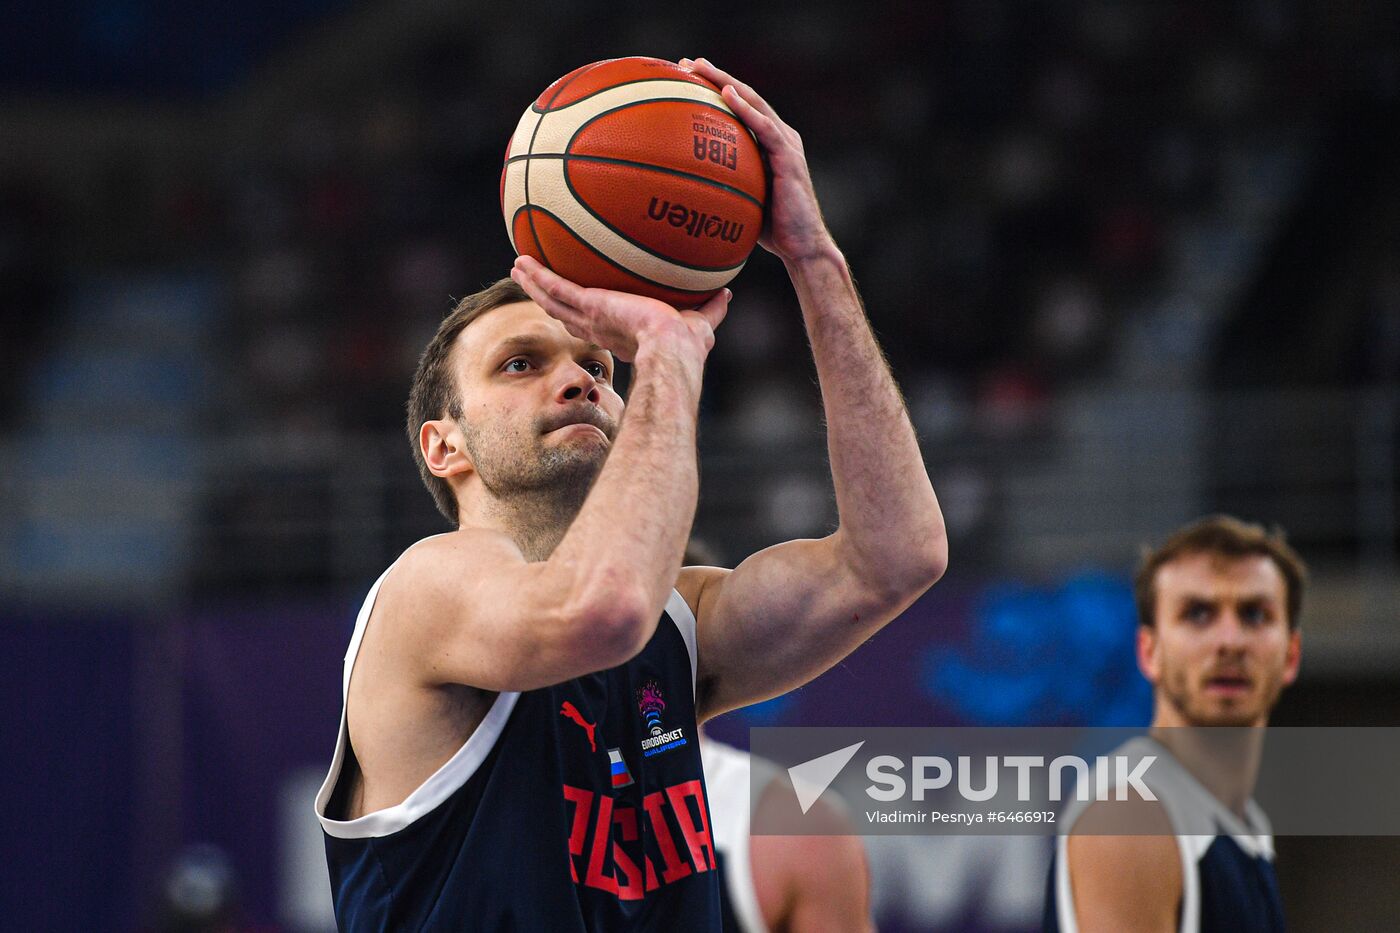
(612,627)
(931,563)
(892,574)
(904,576)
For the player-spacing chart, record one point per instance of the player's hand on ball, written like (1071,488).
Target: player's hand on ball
(794,229)
(617,321)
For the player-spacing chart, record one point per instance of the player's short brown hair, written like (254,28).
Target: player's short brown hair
(1229,538)
(434,393)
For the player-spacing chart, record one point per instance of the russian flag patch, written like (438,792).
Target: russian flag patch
(620,775)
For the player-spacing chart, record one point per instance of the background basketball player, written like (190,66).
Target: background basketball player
(771,882)
(1219,639)
(799,884)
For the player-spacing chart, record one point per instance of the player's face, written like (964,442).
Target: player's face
(538,404)
(1221,650)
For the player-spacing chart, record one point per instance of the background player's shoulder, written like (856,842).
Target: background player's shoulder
(1136,881)
(1132,816)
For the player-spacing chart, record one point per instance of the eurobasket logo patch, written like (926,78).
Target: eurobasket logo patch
(651,704)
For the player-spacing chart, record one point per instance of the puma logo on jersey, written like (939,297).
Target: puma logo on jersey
(570,711)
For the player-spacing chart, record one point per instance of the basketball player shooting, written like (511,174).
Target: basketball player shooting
(518,747)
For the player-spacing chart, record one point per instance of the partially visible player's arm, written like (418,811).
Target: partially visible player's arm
(788,613)
(821,883)
(468,608)
(1125,882)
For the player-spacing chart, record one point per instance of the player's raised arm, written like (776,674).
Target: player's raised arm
(788,613)
(520,597)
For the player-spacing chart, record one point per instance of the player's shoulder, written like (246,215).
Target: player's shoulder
(442,558)
(1132,816)
(1118,850)
(426,579)
(465,544)
(815,859)
(828,872)
(1123,882)
(1129,839)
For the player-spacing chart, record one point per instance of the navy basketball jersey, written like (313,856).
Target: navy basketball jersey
(728,775)
(1227,878)
(576,807)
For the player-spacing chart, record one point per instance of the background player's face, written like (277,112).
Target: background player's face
(538,405)
(1221,650)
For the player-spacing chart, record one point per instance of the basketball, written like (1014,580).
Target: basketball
(633,174)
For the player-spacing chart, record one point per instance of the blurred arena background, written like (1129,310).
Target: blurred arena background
(1133,261)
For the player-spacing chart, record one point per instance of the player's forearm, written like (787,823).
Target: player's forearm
(890,521)
(625,545)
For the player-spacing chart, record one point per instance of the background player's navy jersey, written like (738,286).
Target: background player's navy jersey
(1228,881)
(576,807)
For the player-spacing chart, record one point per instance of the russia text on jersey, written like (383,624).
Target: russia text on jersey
(600,825)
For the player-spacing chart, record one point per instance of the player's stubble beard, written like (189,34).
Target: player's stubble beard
(536,490)
(1196,707)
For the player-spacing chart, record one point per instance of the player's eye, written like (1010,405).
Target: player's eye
(517,365)
(1197,613)
(1253,614)
(596,369)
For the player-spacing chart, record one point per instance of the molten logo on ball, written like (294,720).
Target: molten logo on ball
(696,223)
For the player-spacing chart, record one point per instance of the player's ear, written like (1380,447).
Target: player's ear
(1294,657)
(1147,645)
(444,450)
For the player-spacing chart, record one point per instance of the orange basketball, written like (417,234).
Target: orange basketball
(633,174)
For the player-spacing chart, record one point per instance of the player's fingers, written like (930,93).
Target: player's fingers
(538,287)
(553,284)
(776,139)
(715,308)
(768,131)
(707,69)
(546,287)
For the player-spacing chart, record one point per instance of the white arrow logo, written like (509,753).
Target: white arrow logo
(811,778)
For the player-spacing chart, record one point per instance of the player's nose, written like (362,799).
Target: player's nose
(1230,631)
(577,383)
